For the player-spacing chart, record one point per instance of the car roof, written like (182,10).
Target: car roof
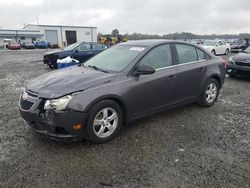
(151,42)
(147,42)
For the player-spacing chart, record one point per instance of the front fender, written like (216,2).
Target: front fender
(87,98)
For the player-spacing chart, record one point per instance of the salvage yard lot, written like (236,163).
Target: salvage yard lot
(187,147)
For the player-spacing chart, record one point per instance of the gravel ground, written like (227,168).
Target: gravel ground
(187,147)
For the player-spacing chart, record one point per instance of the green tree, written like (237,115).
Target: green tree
(115,32)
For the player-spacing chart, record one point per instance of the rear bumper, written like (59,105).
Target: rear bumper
(56,125)
(232,69)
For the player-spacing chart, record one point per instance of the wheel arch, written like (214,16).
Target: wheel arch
(217,78)
(114,98)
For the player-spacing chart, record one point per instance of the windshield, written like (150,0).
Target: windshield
(71,47)
(209,43)
(115,59)
(247,50)
(239,41)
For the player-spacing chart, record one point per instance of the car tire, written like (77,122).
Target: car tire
(231,75)
(52,65)
(213,52)
(210,93)
(227,51)
(104,122)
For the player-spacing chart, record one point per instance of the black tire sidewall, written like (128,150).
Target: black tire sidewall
(203,101)
(91,136)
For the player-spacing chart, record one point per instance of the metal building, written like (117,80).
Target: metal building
(19,36)
(65,35)
(54,34)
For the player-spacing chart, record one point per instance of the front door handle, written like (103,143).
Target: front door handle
(201,69)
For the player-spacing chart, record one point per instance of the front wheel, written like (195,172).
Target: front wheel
(210,93)
(227,52)
(104,122)
(213,52)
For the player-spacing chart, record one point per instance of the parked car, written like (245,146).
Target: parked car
(125,82)
(28,45)
(217,47)
(53,45)
(240,45)
(79,51)
(41,44)
(239,64)
(14,46)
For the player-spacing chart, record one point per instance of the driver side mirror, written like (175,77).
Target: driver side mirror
(144,70)
(76,50)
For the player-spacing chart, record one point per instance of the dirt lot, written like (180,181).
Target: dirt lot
(187,147)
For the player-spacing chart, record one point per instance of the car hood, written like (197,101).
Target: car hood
(52,52)
(69,80)
(235,46)
(241,57)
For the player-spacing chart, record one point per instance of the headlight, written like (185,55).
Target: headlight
(57,104)
(230,60)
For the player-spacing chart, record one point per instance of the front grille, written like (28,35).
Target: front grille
(25,105)
(240,63)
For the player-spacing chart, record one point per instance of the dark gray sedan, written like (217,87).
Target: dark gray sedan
(239,64)
(126,82)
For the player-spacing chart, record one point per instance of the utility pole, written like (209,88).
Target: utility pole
(37,19)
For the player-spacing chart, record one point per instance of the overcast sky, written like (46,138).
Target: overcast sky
(145,16)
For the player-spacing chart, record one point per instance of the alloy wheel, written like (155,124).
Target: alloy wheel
(105,122)
(211,93)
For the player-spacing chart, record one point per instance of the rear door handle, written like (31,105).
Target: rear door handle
(171,77)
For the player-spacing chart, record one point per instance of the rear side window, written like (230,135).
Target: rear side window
(186,53)
(158,57)
(98,46)
(201,55)
(85,47)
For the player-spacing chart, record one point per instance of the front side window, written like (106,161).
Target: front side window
(219,43)
(158,57)
(186,53)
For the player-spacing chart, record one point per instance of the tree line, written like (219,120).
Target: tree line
(179,35)
(185,36)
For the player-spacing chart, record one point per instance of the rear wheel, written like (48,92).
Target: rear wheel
(210,93)
(104,122)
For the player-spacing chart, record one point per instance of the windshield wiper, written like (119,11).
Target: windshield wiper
(97,68)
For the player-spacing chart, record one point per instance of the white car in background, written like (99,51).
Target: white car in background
(217,47)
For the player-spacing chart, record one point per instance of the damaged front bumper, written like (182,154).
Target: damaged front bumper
(57,125)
